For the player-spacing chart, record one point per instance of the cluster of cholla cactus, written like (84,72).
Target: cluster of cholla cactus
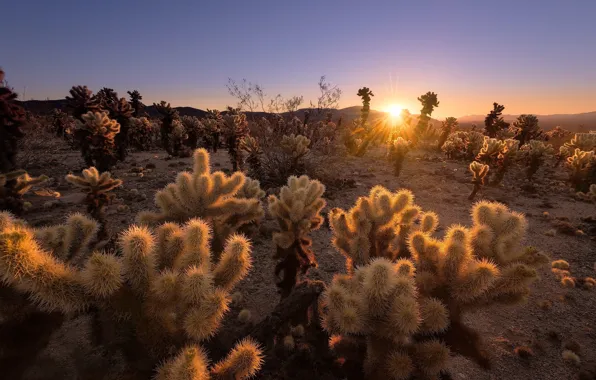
(533,154)
(12,118)
(582,166)
(169,117)
(60,123)
(163,284)
(378,226)
(399,315)
(295,146)
(499,154)
(13,185)
(397,154)
(97,188)
(206,195)
(81,101)
(297,211)
(141,133)
(235,129)
(463,145)
(213,123)
(194,130)
(479,177)
(582,141)
(447,127)
(96,133)
(254,153)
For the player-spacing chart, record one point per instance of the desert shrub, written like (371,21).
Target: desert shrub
(463,145)
(60,123)
(297,211)
(194,130)
(582,166)
(12,119)
(398,150)
(395,324)
(141,133)
(206,195)
(13,185)
(96,133)
(97,188)
(479,177)
(533,154)
(150,300)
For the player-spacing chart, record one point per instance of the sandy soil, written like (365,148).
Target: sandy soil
(439,185)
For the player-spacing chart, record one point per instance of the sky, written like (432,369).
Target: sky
(531,56)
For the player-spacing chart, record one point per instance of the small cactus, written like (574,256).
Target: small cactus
(397,154)
(479,175)
(13,185)
(96,133)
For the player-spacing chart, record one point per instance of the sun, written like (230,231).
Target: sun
(394,110)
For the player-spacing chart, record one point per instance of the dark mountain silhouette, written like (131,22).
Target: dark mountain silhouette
(580,122)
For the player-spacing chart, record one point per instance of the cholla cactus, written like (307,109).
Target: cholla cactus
(253,151)
(13,185)
(250,190)
(295,145)
(59,122)
(590,195)
(533,154)
(474,143)
(398,316)
(397,154)
(447,127)
(82,101)
(168,116)
(164,286)
(211,196)
(141,133)
(194,129)
(213,125)
(121,111)
(96,133)
(135,102)
(377,226)
(526,128)
(583,169)
(464,145)
(581,141)
(235,128)
(490,150)
(177,138)
(297,211)
(12,118)
(376,312)
(98,188)
(479,177)
(505,159)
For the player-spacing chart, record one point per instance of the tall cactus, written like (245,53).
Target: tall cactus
(135,102)
(12,119)
(96,132)
(81,101)
(168,116)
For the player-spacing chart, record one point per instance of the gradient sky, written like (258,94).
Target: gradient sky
(533,56)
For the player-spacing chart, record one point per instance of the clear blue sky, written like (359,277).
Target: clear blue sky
(533,56)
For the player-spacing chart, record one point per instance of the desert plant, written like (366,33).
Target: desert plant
(464,145)
(429,101)
(59,122)
(589,195)
(254,154)
(206,195)
(97,188)
(526,128)
(213,124)
(398,325)
(479,177)
(533,155)
(234,128)
(582,141)
(494,122)
(505,159)
(141,133)
(377,226)
(12,119)
(81,101)
(121,111)
(366,95)
(163,292)
(447,127)
(177,140)
(13,185)
(194,130)
(168,116)
(490,150)
(295,146)
(96,134)
(107,97)
(397,154)
(135,102)
(582,165)
(297,211)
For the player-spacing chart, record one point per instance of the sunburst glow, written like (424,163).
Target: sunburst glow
(394,110)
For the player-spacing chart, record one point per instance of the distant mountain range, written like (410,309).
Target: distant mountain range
(579,122)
